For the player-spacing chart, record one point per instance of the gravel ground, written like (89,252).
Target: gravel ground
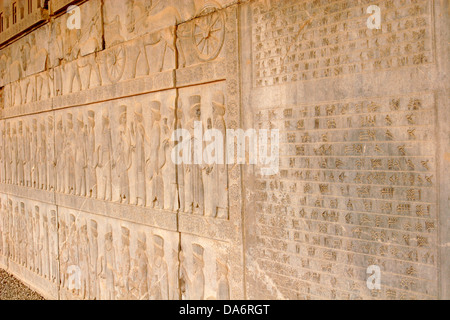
(13,289)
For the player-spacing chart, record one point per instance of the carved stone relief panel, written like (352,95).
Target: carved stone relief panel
(29,241)
(204,270)
(105,259)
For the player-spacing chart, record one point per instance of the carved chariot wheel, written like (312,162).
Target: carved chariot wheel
(115,63)
(208,32)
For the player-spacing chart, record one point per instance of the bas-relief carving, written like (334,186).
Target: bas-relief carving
(29,236)
(99,146)
(117,260)
(204,188)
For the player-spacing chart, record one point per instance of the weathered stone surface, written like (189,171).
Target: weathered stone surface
(93,205)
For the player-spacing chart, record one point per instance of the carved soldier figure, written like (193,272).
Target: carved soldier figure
(105,151)
(92,157)
(43,158)
(198,276)
(108,263)
(60,157)
(154,166)
(80,158)
(139,138)
(69,152)
(223,287)
(93,262)
(83,259)
(123,159)
(194,173)
(125,265)
(160,279)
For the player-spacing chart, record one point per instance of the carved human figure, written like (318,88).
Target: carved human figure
(92,156)
(223,287)
(69,152)
(2,157)
(14,155)
(57,58)
(45,247)
(8,154)
(156,159)
(142,266)
(194,188)
(168,170)
(179,125)
(108,265)
(198,276)
(53,247)
(80,158)
(124,156)
(217,173)
(21,155)
(139,140)
(2,228)
(64,244)
(43,158)
(83,258)
(125,265)
(11,229)
(51,162)
(31,244)
(28,168)
(159,289)
(184,282)
(5,224)
(60,157)
(35,154)
(38,240)
(23,235)
(17,241)
(104,163)
(72,242)
(93,262)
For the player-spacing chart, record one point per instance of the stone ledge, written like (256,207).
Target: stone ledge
(16,30)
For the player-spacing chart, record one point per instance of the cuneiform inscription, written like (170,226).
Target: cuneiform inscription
(307,40)
(357,187)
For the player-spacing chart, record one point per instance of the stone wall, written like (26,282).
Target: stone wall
(93,207)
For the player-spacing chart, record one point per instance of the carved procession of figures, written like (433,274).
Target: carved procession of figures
(121,153)
(104,262)
(28,237)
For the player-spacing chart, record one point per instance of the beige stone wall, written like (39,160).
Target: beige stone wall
(90,196)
